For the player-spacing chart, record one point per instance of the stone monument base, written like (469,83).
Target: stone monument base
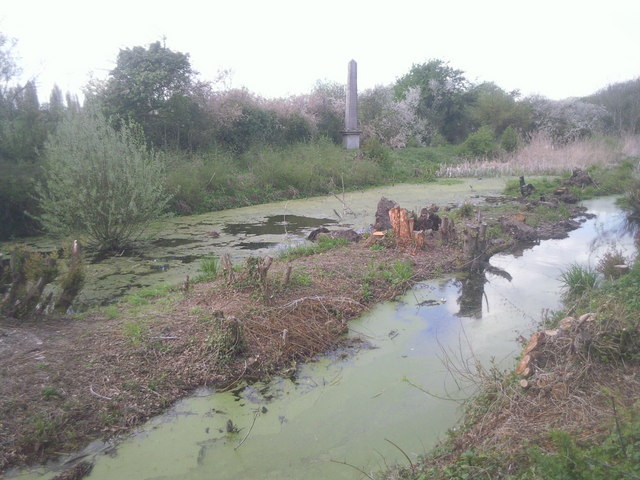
(351,140)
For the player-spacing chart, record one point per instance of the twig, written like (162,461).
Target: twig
(318,298)
(354,467)
(97,394)
(402,452)
(232,384)
(449,399)
(345,207)
(255,416)
(623,444)
(154,392)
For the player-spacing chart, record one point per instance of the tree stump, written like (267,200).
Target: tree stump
(263,268)
(474,243)
(447,230)
(227,268)
(287,274)
(401,223)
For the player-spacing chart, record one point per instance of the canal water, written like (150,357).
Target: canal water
(175,246)
(394,391)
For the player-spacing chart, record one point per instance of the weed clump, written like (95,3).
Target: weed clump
(210,267)
(226,341)
(579,280)
(613,264)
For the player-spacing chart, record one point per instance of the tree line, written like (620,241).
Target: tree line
(157,102)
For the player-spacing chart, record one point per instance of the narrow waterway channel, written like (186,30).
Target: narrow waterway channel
(350,407)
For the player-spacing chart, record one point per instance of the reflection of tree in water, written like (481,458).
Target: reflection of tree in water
(472,290)
(632,227)
(471,294)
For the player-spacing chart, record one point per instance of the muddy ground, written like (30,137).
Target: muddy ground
(68,381)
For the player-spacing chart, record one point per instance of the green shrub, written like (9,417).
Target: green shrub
(374,150)
(71,281)
(197,181)
(28,274)
(481,143)
(509,139)
(226,339)
(466,210)
(100,182)
(631,200)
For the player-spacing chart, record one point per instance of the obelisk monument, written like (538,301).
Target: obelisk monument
(351,134)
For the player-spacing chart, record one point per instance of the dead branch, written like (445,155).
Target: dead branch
(317,298)
(255,416)
(97,394)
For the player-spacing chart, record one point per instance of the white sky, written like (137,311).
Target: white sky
(555,48)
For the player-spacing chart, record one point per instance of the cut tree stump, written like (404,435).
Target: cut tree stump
(403,224)
(524,364)
(447,230)
(227,268)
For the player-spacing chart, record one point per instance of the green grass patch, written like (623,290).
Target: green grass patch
(547,214)
(142,296)
(399,274)
(110,311)
(49,393)
(135,331)
(322,245)
(544,186)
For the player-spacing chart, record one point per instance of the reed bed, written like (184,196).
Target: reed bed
(541,157)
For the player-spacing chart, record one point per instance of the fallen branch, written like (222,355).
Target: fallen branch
(97,394)
(402,452)
(255,416)
(318,298)
(354,467)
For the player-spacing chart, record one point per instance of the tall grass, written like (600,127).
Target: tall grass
(541,157)
(578,280)
(210,267)
(262,174)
